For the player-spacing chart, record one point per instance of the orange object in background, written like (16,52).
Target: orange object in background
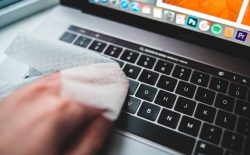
(246,20)
(226,9)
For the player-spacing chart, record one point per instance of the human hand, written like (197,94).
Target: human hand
(36,120)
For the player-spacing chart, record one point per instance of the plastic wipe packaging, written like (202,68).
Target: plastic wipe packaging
(85,76)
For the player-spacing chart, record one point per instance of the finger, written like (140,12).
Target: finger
(70,116)
(92,137)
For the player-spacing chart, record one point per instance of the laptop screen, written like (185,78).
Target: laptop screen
(225,19)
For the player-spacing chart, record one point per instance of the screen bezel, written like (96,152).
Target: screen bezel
(187,35)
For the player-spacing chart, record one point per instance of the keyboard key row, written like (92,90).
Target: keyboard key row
(156,133)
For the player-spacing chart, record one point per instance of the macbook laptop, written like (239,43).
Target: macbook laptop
(188,67)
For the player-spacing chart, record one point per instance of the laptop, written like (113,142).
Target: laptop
(188,67)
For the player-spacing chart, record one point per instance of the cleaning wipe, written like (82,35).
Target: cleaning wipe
(86,76)
(101,85)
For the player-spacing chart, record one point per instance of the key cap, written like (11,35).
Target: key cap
(132,86)
(238,91)
(242,108)
(205,113)
(132,104)
(189,126)
(131,71)
(205,96)
(211,133)
(129,56)
(203,148)
(156,133)
(185,89)
(146,61)
(182,73)
(185,106)
(232,141)
(247,148)
(243,126)
(68,37)
(248,99)
(97,46)
(169,118)
(199,78)
(226,120)
(146,92)
(165,99)
(231,153)
(167,83)
(113,51)
(164,67)
(148,111)
(82,41)
(225,102)
(148,77)
(219,85)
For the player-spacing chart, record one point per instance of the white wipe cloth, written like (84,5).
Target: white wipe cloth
(86,76)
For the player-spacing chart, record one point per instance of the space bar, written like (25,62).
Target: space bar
(155,133)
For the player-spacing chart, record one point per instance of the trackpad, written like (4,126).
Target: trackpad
(118,144)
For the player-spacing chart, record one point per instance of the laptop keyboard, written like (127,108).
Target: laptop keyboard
(178,103)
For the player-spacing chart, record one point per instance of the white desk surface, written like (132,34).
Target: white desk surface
(9,32)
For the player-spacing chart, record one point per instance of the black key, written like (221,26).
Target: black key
(146,61)
(243,126)
(247,148)
(148,77)
(156,133)
(164,67)
(248,99)
(167,83)
(219,85)
(185,89)
(205,113)
(165,99)
(242,108)
(129,56)
(132,86)
(132,104)
(146,92)
(181,73)
(238,91)
(149,111)
(211,133)
(199,78)
(225,102)
(113,51)
(131,71)
(232,141)
(226,120)
(231,153)
(205,96)
(169,118)
(97,46)
(203,148)
(190,126)
(68,37)
(185,106)
(82,41)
